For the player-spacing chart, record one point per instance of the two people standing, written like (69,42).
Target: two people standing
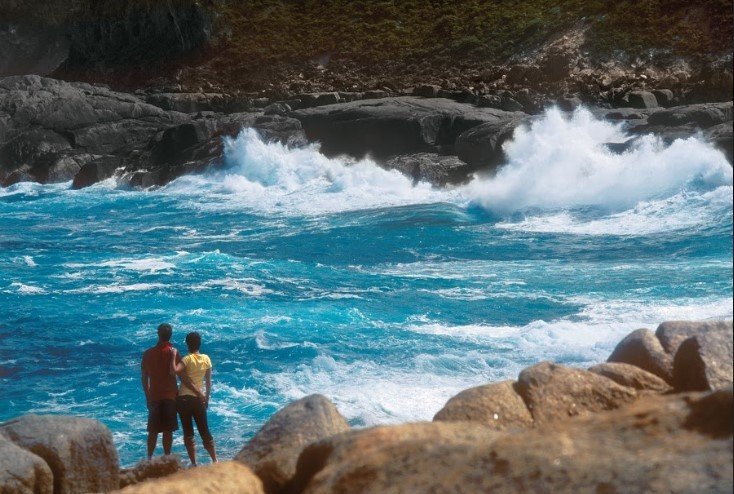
(159,368)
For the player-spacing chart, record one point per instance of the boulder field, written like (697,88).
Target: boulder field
(657,417)
(54,131)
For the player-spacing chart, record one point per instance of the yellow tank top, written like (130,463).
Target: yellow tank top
(196,366)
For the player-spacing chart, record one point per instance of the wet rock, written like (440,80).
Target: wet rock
(569,103)
(187,102)
(22,472)
(157,467)
(100,168)
(80,452)
(679,443)
(554,392)
(273,452)
(277,109)
(722,136)
(229,477)
(704,361)
(642,99)
(481,146)
(509,104)
(433,168)
(642,349)
(631,376)
(495,405)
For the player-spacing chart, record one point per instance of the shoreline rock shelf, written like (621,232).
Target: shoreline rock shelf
(658,417)
(53,131)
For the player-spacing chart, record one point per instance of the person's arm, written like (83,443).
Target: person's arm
(186,380)
(145,382)
(208,379)
(177,365)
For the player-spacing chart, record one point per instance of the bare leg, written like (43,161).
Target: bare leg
(191,449)
(167,442)
(152,440)
(209,446)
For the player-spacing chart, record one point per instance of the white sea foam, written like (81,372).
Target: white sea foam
(560,163)
(118,288)
(25,289)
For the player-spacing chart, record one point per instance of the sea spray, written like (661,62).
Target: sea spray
(561,162)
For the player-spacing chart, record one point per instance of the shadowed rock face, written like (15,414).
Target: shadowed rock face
(23,472)
(642,349)
(658,444)
(704,361)
(79,451)
(631,376)
(273,452)
(227,477)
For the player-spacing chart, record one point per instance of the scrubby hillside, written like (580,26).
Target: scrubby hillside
(341,43)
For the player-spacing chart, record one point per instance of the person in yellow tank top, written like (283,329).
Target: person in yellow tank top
(194,370)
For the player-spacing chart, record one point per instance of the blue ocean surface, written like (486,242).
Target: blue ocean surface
(306,274)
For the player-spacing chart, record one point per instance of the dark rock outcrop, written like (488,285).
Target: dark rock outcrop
(481,146)
(273,452)
(22,472)
(658,444)
(642,349)
(30,48)
(496,405)
(431,167)
(393,126)
(554,392)
(228,477)
(80,452)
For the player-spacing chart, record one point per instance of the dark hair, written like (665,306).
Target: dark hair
(165,331)
(193,341)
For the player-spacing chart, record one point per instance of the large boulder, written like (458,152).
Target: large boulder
(391,459)
(79,451)
(394,125)
(679,443)
(227,477)
(273,452)
(495,405)
(554,392)
(642,349)
(433,168)
(672,333)
(22,472)
(701,115)
(704,361)
(642,99)
(631,376)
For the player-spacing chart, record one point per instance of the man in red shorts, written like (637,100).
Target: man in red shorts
(160,388)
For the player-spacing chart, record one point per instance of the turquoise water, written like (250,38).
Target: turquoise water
(306,274)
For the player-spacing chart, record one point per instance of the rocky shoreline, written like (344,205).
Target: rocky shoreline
(656,417)
(54,131)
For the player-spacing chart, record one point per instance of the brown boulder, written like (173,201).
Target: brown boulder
(229,477)
(160,466)
(273,452)
(704,362)
(672,333)
(496,405)
(22,472)
(79,451)
(554,392)
(631,376)
(658,444)
(642,349)
(383,459)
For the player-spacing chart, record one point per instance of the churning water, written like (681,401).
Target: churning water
(314,275)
